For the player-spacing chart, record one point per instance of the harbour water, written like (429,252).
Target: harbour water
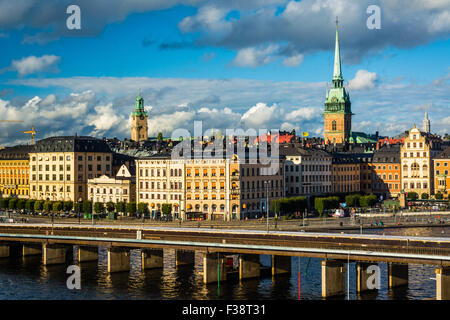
(27,278)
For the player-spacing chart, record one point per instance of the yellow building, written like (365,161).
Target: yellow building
(441,173)
(61,166)
(15,172)
(346,173)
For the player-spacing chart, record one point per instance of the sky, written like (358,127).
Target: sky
(261,64)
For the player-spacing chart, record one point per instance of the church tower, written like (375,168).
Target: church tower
(139,127)
(338,114)
(426,125)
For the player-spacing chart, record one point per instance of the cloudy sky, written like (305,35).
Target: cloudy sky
(230,63)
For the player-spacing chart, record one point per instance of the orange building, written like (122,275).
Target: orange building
(441,173)
(386,172)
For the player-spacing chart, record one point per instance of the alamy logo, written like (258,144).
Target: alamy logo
(74,20)
(374,20)
(373,281)
(74,280)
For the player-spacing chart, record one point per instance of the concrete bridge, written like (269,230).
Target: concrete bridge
(53,242)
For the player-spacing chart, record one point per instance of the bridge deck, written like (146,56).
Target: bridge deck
(399,249)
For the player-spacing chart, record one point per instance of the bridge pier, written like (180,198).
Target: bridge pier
(214,267)
(31,250)
(333,278)
(152,258)
(442,283)
(4,251)
(362,276)
(87,254)
(249,266)
(52,254)
(118,260)
(398,275)
(184,257)
(281,265)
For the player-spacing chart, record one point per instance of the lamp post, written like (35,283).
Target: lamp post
(266,184)
(79,211)
(92,209)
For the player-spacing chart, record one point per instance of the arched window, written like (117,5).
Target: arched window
(333,125)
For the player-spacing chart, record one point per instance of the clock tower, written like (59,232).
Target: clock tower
(139,127)
(338,113)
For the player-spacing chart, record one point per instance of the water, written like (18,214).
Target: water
(27,278)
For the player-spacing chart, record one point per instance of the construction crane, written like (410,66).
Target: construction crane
(32,132)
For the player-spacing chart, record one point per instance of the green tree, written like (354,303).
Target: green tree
(142,208)
(439,196)
(68,205)
(120,206)
(319,205)
(425,196)
(47,206)
(166,209)
(160,137)
(21,204)
(39,205)
(98,207)
(275,206)
(57,206)
(12,204)
(412,195)
(87,206)
(110,206)
(131,208)
(4,203)
(29,205)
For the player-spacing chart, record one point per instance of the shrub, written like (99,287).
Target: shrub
(98,207)
(29,205)
(120,206)
(4,203)
(87,207)
(68,205)
(110,206)
(57,206)
(12,204)
(439,196)
(143,208)
(47,206)
(412,195)
(166,209)
(21,204)
(424,196)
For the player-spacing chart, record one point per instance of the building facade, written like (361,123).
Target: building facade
(386,171)
(346,173)
(417,152)
(121,188)
(15,172)
(61,166)
(441,173)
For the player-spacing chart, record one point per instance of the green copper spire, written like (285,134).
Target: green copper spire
(337,74)
(139,109)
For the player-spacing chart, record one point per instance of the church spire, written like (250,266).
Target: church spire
(337,74)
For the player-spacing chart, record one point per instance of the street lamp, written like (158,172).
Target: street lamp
(79,211)
(92,210)
(266,184)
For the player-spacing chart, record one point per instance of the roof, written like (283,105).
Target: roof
(20,152)
(389,153)
(71,144)
(444,154)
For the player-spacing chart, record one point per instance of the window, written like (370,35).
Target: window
(333,126)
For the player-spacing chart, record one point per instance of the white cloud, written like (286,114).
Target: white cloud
(33,64)
(252,57)
(363,80)
(259,115)
(301,114)
(293,61)
(104,119)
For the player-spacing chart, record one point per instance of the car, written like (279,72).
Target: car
(339,213)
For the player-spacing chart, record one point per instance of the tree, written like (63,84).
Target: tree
(78,206)
(68,205)
(166,209)
(39,205)
(160,137)
(424,196)
(87,207)
(352,200)
(12,204)
(412,195)
(319,205)
(131,208)
(21,204)
(120,206)
(57,206)
(98,207)
(29,205)
(439,196)
(4,203)
(110,206)
(143,208)
(47,206)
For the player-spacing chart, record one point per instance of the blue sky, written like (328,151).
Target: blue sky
(260,64)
